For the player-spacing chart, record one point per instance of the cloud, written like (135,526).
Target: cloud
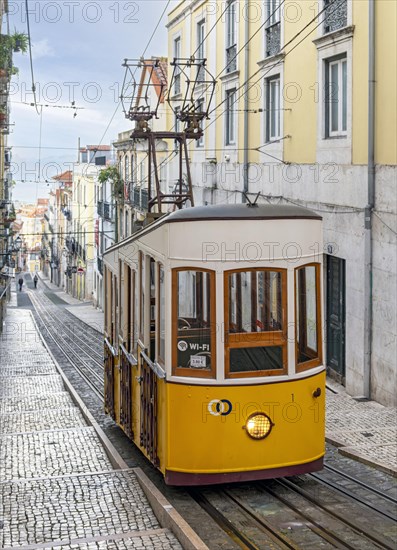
(42,48)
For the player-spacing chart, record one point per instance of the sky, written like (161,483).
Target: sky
(78,48)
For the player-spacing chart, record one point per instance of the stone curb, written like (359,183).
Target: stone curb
(164,511)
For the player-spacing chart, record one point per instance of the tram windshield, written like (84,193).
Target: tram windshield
(194,313)
(256,327)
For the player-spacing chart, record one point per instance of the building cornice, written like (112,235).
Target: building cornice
(334,37)
(194,4)
(272,60)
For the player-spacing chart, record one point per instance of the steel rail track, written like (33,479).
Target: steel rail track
(71,355)
(312,524)
(69,330)
(351,495)
(240,538)
(361,483)
(84,349)
(379,540)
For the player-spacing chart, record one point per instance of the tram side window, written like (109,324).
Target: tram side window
(161,331)
(308,338)
(142,296)
(256,339)
(194,328)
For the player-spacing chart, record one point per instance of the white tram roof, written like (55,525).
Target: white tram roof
(178,238)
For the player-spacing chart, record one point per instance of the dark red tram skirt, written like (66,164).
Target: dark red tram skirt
(181,478)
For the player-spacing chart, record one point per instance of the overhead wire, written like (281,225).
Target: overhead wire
(30,56)
(268,69)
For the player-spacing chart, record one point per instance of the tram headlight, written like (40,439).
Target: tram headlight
(258,426)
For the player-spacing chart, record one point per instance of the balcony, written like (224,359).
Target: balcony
(108,211)
(67,213)
(100,209)
(231,59)
(335,17)
(273,37)
(140,198)
(100,265)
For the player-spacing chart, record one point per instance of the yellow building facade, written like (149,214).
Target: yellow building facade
(83,229)
(305,112)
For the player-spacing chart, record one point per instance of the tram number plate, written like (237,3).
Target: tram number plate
(198,361)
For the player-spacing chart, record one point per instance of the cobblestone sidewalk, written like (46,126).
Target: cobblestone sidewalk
(366,431)
(57,485)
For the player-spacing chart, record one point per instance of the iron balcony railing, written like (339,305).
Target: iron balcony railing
(335,15)
(100,209)
(100,265)
(107,211)
(140,198)
(231,58)
(273,39)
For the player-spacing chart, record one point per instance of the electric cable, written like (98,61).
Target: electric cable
(30,56)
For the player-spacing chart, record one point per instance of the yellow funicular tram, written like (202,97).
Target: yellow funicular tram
(213,342)
(213,315)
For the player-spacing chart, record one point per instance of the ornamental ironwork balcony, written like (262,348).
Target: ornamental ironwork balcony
(335,15)
(231,59)
(67,213)
(100,209)
(107,211)
(273,39)
(140,198)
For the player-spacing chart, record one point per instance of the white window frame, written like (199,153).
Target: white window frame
(329,47)
(269,81)
(200,30)
(341,100)
(177,49)
(230,117)
(271,6)
(231,23)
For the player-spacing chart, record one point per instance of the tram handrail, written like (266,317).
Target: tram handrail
(159,372)
(130,357)
(111,348)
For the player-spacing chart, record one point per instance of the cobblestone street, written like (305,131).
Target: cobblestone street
(58,488)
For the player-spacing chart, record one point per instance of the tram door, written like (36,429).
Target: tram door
(336,291)
(109,357)
(126,361)
(148,394)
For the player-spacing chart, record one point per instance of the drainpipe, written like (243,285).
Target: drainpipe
(246,100)
(368,289)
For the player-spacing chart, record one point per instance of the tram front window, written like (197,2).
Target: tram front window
(256,340)
(308,341)
(194,313)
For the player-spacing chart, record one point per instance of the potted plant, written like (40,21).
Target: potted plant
(20,42)
(3,115)
(17,42)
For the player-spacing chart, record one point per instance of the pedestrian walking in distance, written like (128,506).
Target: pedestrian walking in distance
(35,279)
(20,282)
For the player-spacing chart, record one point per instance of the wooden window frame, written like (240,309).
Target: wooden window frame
(257,339)
(141,328)
(160,360)
(191,373)
(312,363)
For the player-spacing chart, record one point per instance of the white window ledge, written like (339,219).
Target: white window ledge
(271,60)
(334,37)
(230,76)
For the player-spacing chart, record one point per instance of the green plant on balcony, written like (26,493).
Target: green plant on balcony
(9,43)
(112,175)
(3,116)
